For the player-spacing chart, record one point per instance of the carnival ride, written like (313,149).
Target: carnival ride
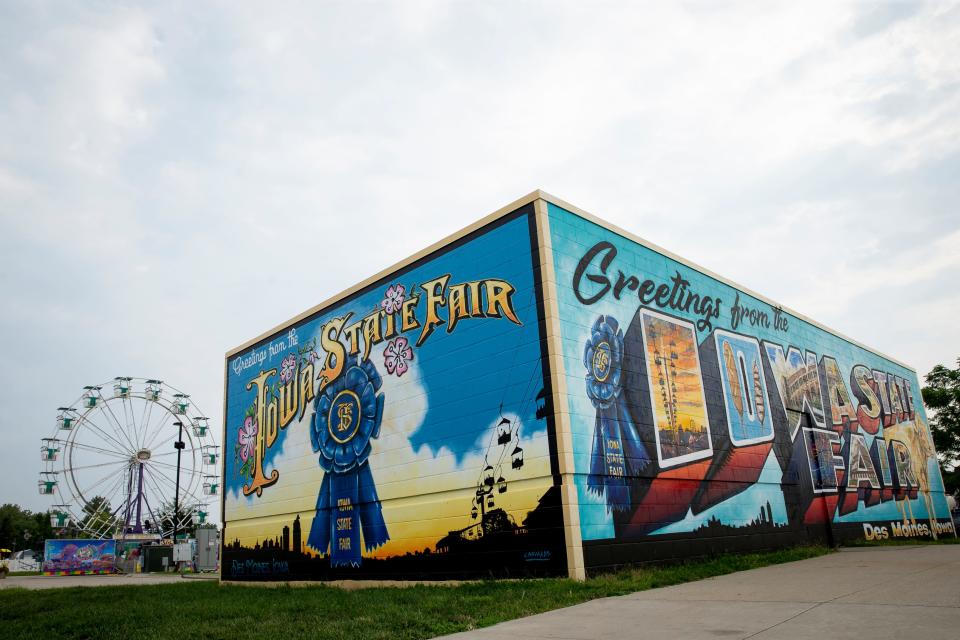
(130,457)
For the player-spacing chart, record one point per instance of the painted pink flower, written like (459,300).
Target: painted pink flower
(393,298)
(247,437)
(287,368)
(396,356)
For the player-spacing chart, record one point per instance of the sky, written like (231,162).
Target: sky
(177,179)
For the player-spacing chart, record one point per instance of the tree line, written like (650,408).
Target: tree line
(942,396)
(23,529)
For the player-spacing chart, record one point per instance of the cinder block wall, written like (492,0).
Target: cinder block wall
(704,417)
(545,394)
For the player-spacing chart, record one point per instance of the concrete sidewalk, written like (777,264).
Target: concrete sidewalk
(874,592)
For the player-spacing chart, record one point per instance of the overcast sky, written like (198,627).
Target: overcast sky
(176,180)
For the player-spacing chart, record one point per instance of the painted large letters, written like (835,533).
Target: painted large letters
(761,422)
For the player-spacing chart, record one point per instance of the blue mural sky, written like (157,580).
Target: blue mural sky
(176,178)
(497,360)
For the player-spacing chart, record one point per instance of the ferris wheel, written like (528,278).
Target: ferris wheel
(130,456)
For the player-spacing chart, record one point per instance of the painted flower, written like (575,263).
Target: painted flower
(346,416)
(393,298)
(247,438)
(396,356)
(603,358)
(288,367)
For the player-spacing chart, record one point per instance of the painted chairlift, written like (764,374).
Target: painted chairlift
(488,476)
(517,457)
(490,501)
(65,420)
(209,453)
(152,389)
(501,484)
(181,402)
(47,483)
(474,512)
(121,387)
(200,426)
(90,396)
(541,401)
(50,449)
(504,433)
(210,486)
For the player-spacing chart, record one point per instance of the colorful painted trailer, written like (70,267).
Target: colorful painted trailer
(545,394)
(79,557)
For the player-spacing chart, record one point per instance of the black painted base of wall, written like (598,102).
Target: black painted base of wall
(531,561)
(602,556)
(536,549)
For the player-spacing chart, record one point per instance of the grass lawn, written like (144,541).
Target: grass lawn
(204,609)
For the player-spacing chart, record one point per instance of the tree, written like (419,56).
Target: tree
(186,518)
(942,395)
(21,529)
(44,530)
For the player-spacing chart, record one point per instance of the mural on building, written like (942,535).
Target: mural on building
(401,431)
(78,557)
(697,409)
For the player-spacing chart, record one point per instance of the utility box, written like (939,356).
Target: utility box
(208,548)
(543,393)
(156,558)
(183,552)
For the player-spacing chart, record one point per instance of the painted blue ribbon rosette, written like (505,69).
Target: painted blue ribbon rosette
(617,451)
(346,417)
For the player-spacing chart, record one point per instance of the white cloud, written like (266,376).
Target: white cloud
(410,482)
(175,180)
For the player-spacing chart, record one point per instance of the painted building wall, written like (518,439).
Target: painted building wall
(701,416)
(381,435)
(403,430)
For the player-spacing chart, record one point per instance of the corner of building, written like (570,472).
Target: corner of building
(565,465)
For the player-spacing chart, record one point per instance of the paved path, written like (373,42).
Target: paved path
(56,582)
(874,593)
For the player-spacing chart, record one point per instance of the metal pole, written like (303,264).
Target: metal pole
(139,527)
(178,445)
(126,514)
